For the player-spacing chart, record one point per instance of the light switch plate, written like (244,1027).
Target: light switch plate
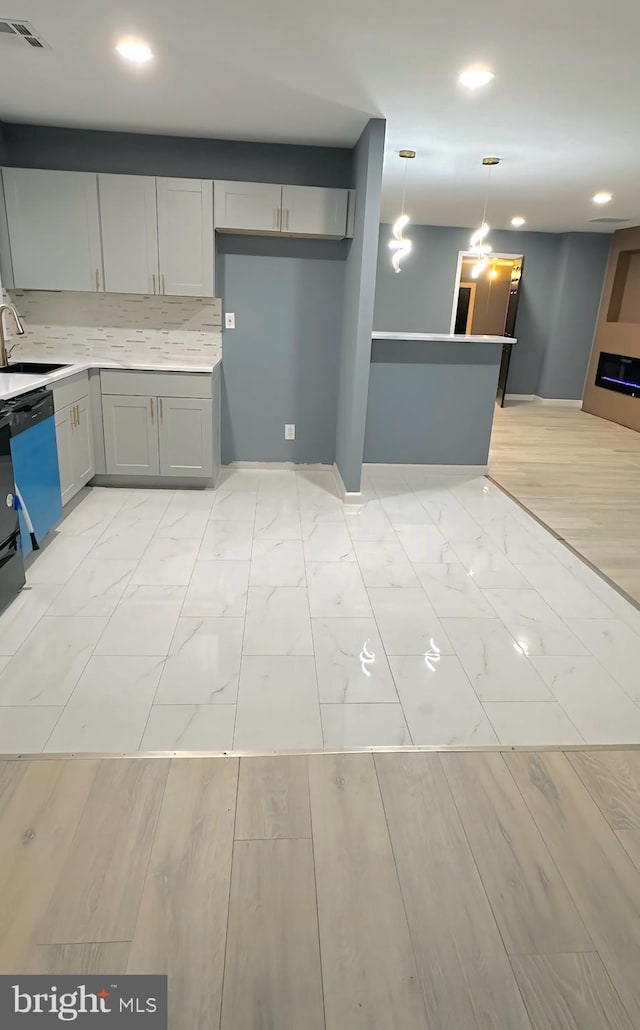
(229,320)
(290,431)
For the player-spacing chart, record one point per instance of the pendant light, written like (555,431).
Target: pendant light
(399,245)
(478,244)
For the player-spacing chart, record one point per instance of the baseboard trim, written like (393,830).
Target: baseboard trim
(533,398)
(280,465)
(346,496)
(454,470)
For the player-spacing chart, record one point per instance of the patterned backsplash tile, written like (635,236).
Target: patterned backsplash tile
(119,325)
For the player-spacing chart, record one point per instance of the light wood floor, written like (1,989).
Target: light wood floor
(578,474)
(393,891)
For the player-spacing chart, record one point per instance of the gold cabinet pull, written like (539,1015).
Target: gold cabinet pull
(72,417)
(163,284)
(160,406)
(153,276)
(151,402)
(77,414)
(97,280)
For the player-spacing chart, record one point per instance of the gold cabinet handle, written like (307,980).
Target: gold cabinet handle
(160,406)
(151,403)
(72,417)
(153,276)
(97,280)
(77,414)
(163,283)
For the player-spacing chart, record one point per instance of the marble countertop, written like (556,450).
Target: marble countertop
(12,384)
(442,337)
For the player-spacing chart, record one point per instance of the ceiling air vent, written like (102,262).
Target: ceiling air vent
(16,31)
(610,221)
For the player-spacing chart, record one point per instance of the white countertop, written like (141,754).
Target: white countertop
(442,337)
(12,384)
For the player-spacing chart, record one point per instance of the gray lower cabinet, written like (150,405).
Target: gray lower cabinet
(151,436)
(131,435)
(74,434)
(186,436)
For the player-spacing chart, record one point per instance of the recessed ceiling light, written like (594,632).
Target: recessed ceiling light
(603,197)
(472,78)
(517,221)
(135,50)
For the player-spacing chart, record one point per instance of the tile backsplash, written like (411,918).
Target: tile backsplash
(116,325)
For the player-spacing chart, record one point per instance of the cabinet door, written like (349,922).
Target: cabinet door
(185,237)
(54,229)
(64,439)
(129,223)
(314,211)
(130,435)
(247,206)
(83,466)
(186,437)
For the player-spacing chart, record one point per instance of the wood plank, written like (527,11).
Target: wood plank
(181,924)
(465,971)
(273,798)
(602,879)
(569,992)
(532,906)
(272,971)
(613,780)
(10,775)
(579,475)
(368,966)
(85,959)
(100,886)
(36,831)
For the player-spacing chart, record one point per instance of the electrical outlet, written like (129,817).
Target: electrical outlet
(229,320)
(290,431)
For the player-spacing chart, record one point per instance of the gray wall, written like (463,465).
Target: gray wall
(281,361)
(359,293)
(580,279)
(416,389)
(421,298)
(85,150)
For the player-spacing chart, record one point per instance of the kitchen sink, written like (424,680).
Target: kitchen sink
(32,367)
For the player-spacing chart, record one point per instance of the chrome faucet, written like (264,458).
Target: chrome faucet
(4,357)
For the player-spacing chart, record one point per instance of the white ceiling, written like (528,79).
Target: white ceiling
(562,112)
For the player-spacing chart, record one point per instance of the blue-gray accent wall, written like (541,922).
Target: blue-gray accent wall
(281,361)
(431,403)
(561,285)
(359,296)
(89,150)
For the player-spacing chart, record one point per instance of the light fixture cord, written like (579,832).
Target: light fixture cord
(486,197)
(404,186)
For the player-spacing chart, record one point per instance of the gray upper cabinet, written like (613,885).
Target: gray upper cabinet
(54,229)
(185,237)
(314,211)
(129,223)
(268,209)
(253,207)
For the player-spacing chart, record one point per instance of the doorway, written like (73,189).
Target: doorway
(485,302)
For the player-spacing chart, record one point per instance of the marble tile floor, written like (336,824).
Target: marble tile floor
(266,616)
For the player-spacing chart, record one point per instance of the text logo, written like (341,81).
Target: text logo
(44,1002)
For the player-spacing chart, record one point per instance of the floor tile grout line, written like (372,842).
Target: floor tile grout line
(244,630)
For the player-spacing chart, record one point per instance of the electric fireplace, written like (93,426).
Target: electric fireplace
(620,373)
